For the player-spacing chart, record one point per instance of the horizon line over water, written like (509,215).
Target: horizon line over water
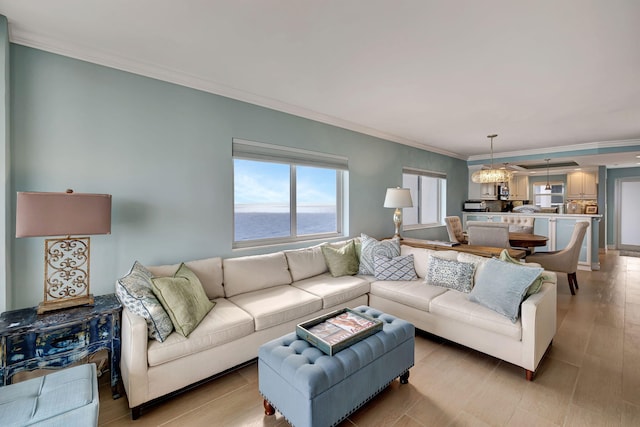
(282,208)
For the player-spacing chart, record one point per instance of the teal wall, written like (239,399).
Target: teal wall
(612,175)
(5,189)
(164,152)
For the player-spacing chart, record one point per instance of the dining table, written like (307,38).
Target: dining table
(522,240)
(527,240)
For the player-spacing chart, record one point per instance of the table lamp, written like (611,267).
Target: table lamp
(398,198)
(66,259)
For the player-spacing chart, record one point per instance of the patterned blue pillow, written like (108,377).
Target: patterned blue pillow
(397,268)
(450,274)
(135,291)
(501,287)
(372,247)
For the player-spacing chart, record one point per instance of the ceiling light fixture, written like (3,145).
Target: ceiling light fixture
(491,175)
(548,187)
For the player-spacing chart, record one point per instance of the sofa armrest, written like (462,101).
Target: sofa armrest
(538,316)
(133,358)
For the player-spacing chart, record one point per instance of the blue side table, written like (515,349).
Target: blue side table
(30,341)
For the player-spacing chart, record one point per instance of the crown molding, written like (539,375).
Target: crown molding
(158,72)
(600,145)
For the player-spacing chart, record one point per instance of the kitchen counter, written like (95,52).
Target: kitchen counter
(537,214)
(558,228)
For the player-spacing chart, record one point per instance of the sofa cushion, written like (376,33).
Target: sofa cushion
(456,305)
(396,268)
(276,305)
(135,291)
(341,261)
(334,290)
(451,274)
(421,257)
(208,270)
(413,293)
(183,298)
(226,323)
(501,286)
(305,262)
(372,247)
(252,273)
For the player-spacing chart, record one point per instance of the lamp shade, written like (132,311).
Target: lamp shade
(58,214)
(398,198)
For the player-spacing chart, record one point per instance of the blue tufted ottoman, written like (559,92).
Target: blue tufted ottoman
(65,398)
(311,389)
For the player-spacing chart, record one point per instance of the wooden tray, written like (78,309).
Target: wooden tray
(338,330)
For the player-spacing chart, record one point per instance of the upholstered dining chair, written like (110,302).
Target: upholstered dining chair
(565,260)
(519,224)
(454,228)
(483,233)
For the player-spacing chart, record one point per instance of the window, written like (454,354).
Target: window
(548,198)
(429,194)
(283,194)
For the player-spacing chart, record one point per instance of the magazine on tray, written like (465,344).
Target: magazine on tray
(340,327)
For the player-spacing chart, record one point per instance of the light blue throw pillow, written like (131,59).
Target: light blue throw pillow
(501,286)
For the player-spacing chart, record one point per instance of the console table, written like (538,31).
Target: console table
(30,341)
(485,251)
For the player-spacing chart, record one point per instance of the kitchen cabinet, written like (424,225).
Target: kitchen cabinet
(488,192)
(477,217)
(519,187)
(582,185)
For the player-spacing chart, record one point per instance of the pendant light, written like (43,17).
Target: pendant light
(492,175)
(548,187)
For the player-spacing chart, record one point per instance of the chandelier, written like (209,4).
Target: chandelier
(491,175)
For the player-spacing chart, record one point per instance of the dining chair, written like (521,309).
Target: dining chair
(454,228)
(519,224)
(565,260)
(493,234)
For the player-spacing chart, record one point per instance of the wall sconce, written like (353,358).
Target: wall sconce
(398,198)
(67,259)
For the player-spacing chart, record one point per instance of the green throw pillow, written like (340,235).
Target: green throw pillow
(536,285)
(184,299)
(341,261)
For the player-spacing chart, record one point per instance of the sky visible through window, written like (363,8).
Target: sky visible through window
(262,205)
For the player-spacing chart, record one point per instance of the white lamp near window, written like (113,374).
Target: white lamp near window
(398,198)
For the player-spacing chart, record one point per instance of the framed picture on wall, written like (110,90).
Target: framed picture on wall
(591,209)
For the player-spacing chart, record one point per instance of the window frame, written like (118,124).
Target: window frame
(552,183)
(294,158)
(417,198)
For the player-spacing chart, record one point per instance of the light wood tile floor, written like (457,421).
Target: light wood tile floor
(590,377)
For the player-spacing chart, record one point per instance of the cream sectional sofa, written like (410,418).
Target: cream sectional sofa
(450,314)
(259,298)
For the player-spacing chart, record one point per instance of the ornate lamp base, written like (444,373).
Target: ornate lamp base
(45,306)
(397,220)
(66,271)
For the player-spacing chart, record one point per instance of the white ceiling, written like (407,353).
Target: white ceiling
(438,74)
